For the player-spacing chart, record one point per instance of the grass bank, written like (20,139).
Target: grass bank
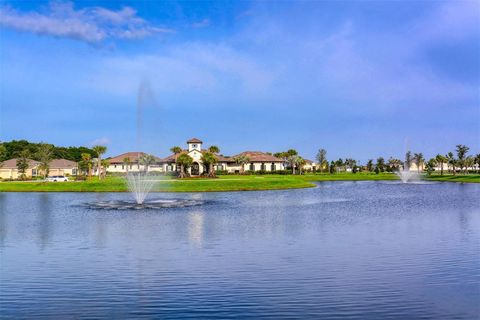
(470,178)
(222,183)
(117,184)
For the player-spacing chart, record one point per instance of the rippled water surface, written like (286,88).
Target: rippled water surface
(359,250)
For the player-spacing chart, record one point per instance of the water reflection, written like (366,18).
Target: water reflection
(3,218)
(45,223)
(343,250)
(195,227)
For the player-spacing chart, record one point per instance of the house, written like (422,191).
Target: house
(9,170)
(63,167)
(309,165)
(257,161)
(58,167)
(131,162)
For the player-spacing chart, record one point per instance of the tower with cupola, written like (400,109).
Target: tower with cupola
(194,144)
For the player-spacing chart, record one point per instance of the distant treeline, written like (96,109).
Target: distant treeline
(14,148)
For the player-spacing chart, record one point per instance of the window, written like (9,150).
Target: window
(194,146)
(34,172)
(273,167)
(74,171)
(263,167)
(252,167)
(123,166)
(116,166)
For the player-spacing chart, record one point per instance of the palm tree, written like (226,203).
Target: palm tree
(3,154)
(214,149)
(292,156)
(469,162)
(462,151)
(351,163)
(23,162)
(126,162)
(300,162)
(99,150)
(394,164)
(210,159)
(322,158)
(381,164)
(147,160)
(242,160)
(477,162)
(45,155)
(370,165)
(431,165)
(418,159)
(176,150)
(452,161)
(408,161)
(441,160)
(105,163)
(86,163)
(185,161)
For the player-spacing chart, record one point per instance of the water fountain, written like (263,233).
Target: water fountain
(141,183)
(406,175)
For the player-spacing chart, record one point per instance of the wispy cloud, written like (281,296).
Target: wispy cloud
(100,142)
(92,24)
(201,24)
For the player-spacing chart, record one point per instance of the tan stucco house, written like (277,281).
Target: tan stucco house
(9,169)
(58,167)
(63,167)
(130,162)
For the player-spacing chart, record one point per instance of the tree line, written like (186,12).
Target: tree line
(457,161)
(44,153)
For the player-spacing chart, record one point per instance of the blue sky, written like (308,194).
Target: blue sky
(357,78)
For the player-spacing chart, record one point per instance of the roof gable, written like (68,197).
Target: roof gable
(194,140)
(12,163)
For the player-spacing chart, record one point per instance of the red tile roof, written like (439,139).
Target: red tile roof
(133,156)
(62,164)
(12,164)
(194,140)
(54,164)
(258,156)
(171,158)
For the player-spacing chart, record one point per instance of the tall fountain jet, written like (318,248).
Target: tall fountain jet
(141,183)
(405,174)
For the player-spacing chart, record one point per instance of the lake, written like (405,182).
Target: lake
(342,250)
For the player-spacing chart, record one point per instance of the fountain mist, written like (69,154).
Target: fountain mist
(140,184)
(405,174)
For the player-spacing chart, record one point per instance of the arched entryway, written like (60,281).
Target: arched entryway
(195,169)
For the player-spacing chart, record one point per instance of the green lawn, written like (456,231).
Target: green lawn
(222,183)
(473,178)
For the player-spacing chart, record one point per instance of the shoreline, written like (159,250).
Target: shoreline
(224,183)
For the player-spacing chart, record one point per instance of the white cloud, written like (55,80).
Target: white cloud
(92,24)
(100,141)
(201,24)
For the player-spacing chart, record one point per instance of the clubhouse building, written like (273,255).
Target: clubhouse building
(257,161)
